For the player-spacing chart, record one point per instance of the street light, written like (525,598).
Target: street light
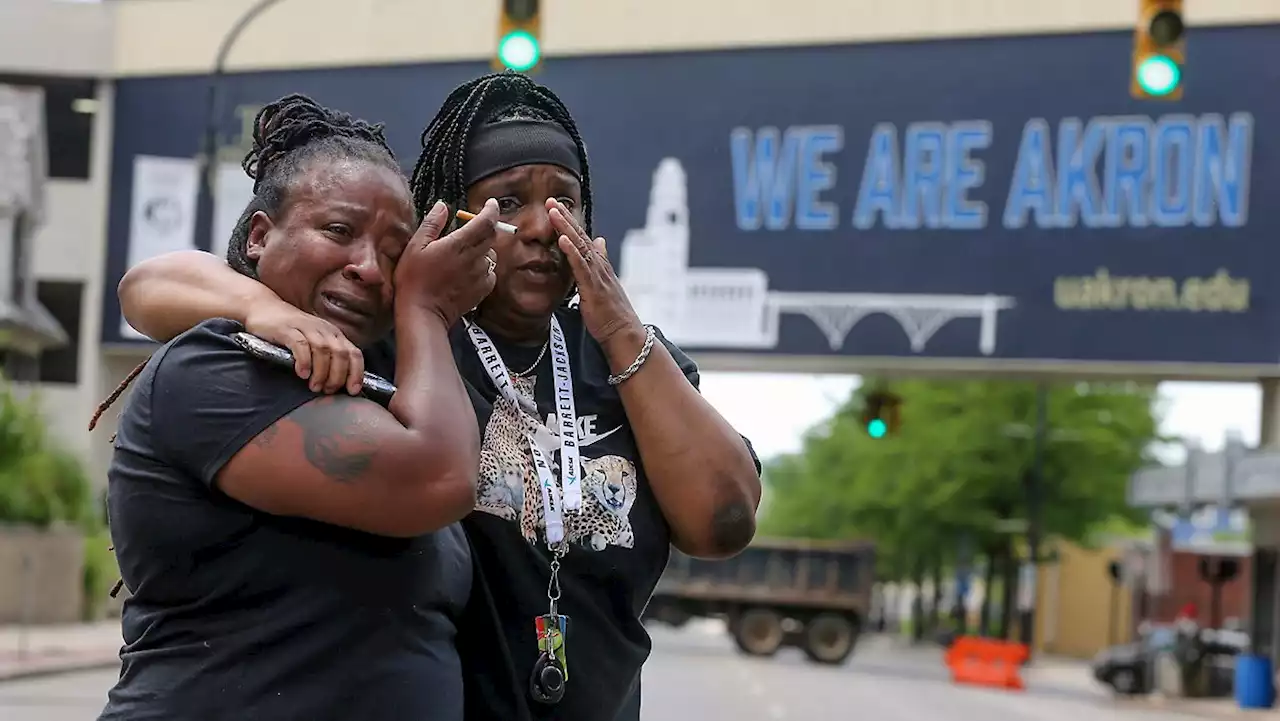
(877,428)
(209,147)
(519,36)
(519,51)
(1159,51)
(1158,75)
(881,414)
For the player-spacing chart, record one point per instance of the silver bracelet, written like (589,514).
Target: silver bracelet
(649,335)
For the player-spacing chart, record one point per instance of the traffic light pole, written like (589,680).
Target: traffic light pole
(208,165)
(1035,491)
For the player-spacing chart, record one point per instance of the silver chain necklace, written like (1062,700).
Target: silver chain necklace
(538,360)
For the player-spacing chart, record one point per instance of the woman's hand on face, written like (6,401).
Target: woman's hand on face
(606,310)
(321,353)
(449,275)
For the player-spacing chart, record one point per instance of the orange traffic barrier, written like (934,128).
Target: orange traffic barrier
(987,662)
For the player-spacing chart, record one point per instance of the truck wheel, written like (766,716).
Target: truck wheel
(829,638)
(758,632)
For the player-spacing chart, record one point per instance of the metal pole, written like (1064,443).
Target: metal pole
(24,625)
(1114,619)
(1035,488)
(209,145)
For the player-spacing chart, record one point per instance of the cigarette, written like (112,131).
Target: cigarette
(464,216)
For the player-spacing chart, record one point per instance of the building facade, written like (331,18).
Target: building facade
(1238,477)
(63,51)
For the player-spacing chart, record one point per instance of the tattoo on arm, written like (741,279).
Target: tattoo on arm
(336,442)
(267,437)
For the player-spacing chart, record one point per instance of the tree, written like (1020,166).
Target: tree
(40,482)
(958,468)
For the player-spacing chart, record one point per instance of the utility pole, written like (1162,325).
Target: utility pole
(1035,491)
(208,162)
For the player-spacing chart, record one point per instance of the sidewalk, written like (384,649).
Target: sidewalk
(1060,674)
(1224,709)
(42,650)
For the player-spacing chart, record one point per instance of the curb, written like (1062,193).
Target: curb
(58,667)
(1197,709)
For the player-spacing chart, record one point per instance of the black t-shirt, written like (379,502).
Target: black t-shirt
(619,543)
(239,614)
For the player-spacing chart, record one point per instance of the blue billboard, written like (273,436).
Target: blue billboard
(987,200)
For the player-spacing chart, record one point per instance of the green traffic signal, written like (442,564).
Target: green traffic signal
(877,428)
(519,50)
(1158,75)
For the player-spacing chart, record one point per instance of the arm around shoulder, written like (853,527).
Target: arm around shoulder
(262,437)
(165,296)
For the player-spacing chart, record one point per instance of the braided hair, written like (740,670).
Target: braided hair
(287,135)
(439,173)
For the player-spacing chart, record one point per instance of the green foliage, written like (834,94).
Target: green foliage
(958,467)
(40,483)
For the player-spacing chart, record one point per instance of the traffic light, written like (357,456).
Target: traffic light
(519,36)
(881,414)
(1159,51)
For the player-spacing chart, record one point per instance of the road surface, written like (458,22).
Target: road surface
(696,675)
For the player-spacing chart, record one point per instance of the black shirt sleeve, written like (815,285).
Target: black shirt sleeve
(209,398)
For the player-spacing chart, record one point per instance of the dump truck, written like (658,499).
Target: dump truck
(776,593)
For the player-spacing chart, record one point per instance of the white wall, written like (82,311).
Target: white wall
(182,36)
(55,37)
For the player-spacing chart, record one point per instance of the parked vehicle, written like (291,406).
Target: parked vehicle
(1129,669)
(810,594)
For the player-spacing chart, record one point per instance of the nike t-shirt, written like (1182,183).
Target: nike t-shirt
(241,615)
(619,542)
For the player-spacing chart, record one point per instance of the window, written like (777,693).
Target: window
(62,299)
(69,109)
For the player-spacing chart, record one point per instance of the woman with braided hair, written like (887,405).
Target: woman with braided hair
(293,554)
(598,453)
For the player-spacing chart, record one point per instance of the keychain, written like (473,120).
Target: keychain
(551,670)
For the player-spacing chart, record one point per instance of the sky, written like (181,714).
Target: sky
(774,410)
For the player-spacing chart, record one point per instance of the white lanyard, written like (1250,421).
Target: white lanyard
(569,490)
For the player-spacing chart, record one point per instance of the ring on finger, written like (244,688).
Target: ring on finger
(493,264)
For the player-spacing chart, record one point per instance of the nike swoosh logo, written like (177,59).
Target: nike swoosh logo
(594,437)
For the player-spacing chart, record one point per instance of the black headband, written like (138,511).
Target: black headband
(509,144)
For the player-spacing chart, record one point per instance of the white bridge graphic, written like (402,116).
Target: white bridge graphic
(734,308)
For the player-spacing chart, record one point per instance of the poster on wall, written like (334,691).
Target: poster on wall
(163,213)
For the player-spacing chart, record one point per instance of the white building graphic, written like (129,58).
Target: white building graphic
(733,308)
